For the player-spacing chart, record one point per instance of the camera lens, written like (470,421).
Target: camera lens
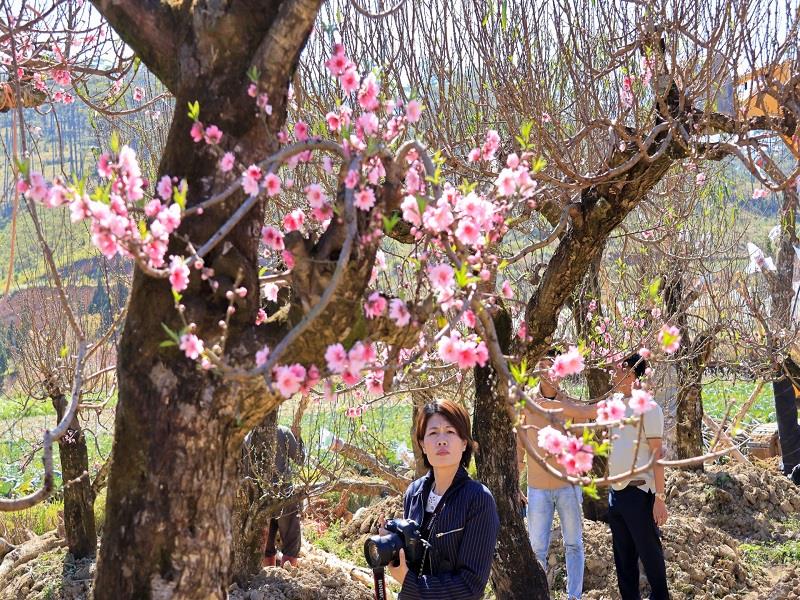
(374,555)
(380,550)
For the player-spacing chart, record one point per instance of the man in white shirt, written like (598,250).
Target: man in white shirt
(636,505)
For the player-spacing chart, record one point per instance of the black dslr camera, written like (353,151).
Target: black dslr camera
(381,550)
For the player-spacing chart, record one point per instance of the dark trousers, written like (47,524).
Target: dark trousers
(288,525)
(635,537)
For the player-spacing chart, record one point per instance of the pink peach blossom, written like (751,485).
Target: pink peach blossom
(413,111)
(399,313)
(641,401)
(375,305)
(670,338)
(441,277)
(410,208)
(570,363)
(364,199)
(262,356)
(551,440)
(213,134)
(271,292)
(196,132)
(293,221)
(336,358)
(272,184)
(191,345)
(250,179)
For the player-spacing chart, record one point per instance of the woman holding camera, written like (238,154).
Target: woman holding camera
(457,515)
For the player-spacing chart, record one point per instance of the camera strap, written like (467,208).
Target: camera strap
(380,583)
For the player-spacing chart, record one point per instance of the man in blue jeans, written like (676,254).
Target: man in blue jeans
(547,493)
(636,505)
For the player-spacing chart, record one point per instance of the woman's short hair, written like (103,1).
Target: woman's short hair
(456,415)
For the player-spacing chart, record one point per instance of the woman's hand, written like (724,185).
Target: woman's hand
(399,572)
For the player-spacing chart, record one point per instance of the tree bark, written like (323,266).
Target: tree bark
(597,380)
(786,416)
(179,429)
(516,574)
(79,523)
(789,373)
(688,441)
(693,356)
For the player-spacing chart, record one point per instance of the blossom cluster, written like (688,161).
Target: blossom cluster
(570,451)
(113,228)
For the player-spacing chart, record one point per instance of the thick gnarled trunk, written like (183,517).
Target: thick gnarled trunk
(516,574)
(179,429)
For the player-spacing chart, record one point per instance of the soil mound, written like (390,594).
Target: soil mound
(316,578)
(743,500)
(786,588)
(703,563)
(55,575)
(367,520)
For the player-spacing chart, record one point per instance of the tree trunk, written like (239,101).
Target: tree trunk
(597,380)
(782,296)
(693,356)
(250,514)
(516,574)
(786,415)
(179,429)
(688,441)
(79,522)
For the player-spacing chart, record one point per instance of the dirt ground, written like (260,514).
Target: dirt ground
(54,575)
(315,579)
(712,513)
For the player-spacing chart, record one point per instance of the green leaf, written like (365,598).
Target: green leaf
(142,228)
(421,203)
(114,142)
(520,372)
(179,194)
(503,15)
(24,167)
(173,336)
(167,344)
(591,491)
(194,110)
(461,276)
(176,296)
(253,74)
(389,224)
(539,164)
(64,351)
(652,289)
